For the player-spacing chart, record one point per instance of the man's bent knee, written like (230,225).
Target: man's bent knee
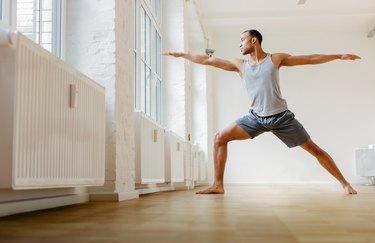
(220,139)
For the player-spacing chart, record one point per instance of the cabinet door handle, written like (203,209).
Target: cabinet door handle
(155,135)
(73,96)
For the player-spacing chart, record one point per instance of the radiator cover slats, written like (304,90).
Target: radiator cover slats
(54,145)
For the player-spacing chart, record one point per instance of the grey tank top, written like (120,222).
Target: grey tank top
(262,85)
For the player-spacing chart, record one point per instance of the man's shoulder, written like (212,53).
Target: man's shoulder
(280,55)
(278,58)
(238,61)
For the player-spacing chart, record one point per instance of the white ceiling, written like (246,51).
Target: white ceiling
(222,17)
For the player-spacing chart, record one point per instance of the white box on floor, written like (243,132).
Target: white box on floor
(365,162)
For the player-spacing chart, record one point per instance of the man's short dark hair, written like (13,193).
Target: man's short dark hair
(256,34)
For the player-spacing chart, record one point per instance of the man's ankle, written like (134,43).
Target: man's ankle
(345,184)
(218,184)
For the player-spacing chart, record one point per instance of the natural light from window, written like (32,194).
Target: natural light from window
(1,10)
(40,20)
(147,55)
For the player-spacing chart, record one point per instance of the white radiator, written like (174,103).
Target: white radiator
(365,161)
(52,130)
(188,163)
(149,150)
(195,162)
(202,167)
(174,157)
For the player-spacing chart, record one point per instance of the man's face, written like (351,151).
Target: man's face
(246,43)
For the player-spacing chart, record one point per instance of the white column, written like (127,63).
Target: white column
(125,159)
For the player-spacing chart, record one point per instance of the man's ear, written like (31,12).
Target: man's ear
(253,40)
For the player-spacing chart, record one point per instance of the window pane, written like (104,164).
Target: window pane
(153,6)
(143,87)
(26,22)
(157,9)
(159,56)
(148,91)
(46,38)
(47,4)
(153,97)
(148,40)
(158,13)
(135,25)
(135,52)
(156,52)
(46,15)
(152,48)
(1,9)
(158,101)
(150,59)
(47,27)
(48,47)
(40,21)
(135,80)
(143,34)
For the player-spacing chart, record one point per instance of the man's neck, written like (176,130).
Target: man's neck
(257,56)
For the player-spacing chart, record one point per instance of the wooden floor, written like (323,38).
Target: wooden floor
(259,213)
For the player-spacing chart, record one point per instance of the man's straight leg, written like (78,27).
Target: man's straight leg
(327,162)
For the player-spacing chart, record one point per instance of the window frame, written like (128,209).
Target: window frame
(148,93)
(56,23)
(1,10)
(8,14)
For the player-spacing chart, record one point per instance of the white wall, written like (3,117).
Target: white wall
(334,101)
(185,92)
(99,42)
(198,101)
(174,73)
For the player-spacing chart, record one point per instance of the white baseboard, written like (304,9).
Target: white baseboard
(151,188)
(280,183)
(23,206)
(113,196)
(181,186)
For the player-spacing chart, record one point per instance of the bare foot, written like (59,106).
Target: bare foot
(212,190)
(349,190)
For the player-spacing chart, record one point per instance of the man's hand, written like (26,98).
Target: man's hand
(349,57)
(173,54)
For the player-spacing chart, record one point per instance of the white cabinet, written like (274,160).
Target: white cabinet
(149,150)
(53,121)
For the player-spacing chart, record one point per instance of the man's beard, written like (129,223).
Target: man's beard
(246,52)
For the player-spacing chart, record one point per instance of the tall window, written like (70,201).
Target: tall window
(147,52)
(1,10)
(6,13)
(135,53)
(40,20)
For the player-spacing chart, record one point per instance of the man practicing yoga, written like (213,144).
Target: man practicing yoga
(269,111)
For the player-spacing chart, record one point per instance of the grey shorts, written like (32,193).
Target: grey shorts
(283,125)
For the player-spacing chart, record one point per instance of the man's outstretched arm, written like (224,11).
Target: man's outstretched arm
(206,60)
(288,60)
